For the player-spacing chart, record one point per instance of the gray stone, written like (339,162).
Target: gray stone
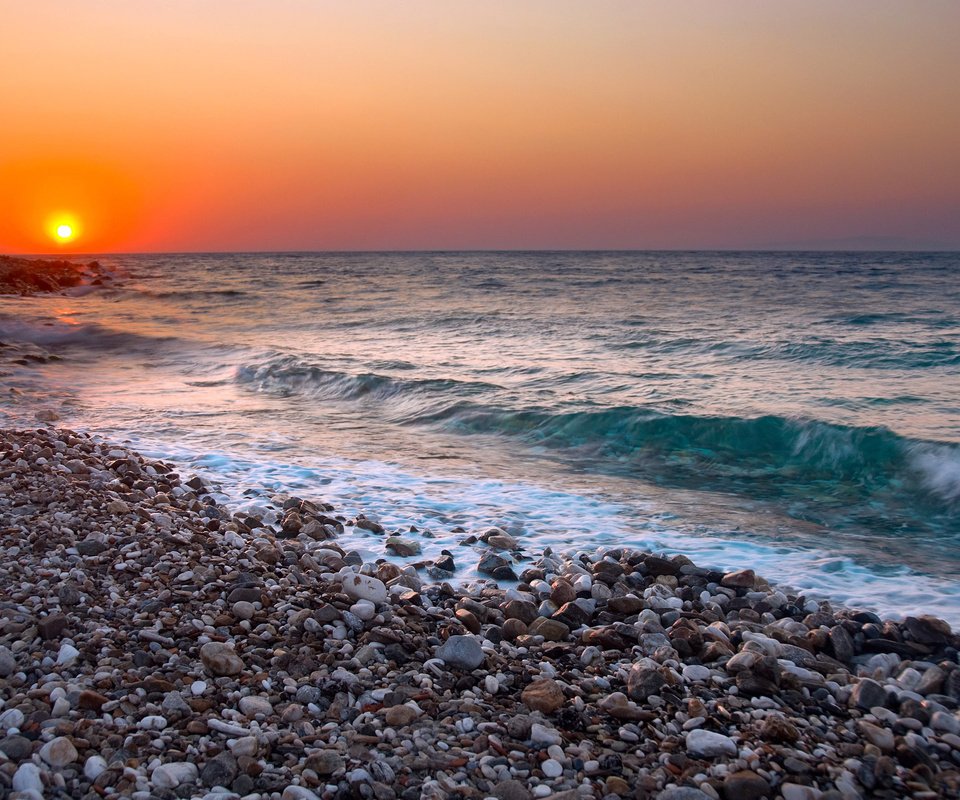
(683,793)
(325,762)
(221,770)
(511,790)
(707,744)
(842,644)
(461,652)
(252,705)
(644,681)
(27,779)
(171,775)
(8,664)
(867,694)
(874,734)
(17,748)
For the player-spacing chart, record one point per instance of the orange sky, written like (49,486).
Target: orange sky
(308,124)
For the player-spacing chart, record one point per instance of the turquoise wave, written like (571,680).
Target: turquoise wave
(828,471)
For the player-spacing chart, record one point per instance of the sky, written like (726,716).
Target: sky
(239,125)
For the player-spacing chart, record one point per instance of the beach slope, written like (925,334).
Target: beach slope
(155,644)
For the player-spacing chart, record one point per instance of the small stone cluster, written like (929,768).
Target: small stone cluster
(153,644)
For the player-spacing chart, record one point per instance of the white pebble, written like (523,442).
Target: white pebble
(67,655)
(27,778)
(552,768)
(94,767)
(169,776)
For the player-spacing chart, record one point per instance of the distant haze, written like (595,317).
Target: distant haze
(308,125)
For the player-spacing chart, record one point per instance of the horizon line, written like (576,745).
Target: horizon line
(412,251)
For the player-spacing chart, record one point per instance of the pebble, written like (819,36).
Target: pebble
(220,659)
(245,746)
(511,790)
(695,673)
(59,752)
(461,652)
(8,664)
(67,655)
(708,744)
(683,793)
(298,793)
(244,610)
(745,785)
(247,650)
(173,774)
(868,693)
(552,768)
(364,587)
(398,716)
(94,766)
(874,734)
(27,778)
(252,705)
(544,695)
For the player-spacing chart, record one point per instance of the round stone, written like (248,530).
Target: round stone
(244,610)
(94,766)
(220,659)
(253,705)
(552,768)
(59,752)
(461,652)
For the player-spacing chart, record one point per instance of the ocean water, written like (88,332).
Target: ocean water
(795,413)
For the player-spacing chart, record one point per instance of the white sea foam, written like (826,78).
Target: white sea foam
(566,521)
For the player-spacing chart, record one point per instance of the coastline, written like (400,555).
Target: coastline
(153,643)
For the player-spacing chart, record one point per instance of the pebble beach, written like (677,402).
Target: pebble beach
(155,644)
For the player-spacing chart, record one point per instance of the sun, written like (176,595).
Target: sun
(63,228)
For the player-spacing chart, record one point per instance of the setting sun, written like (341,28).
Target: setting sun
(63,228)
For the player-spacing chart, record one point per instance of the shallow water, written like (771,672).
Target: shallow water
(799,413)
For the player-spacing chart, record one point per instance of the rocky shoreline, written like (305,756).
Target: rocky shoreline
(27,276)
(155,644)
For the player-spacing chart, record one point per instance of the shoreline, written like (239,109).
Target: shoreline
(155,644)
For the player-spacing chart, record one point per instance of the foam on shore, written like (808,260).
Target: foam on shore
(157,642)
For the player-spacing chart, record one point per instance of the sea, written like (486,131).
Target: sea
(794,413)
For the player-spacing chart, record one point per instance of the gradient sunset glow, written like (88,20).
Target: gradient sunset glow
(306,125)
